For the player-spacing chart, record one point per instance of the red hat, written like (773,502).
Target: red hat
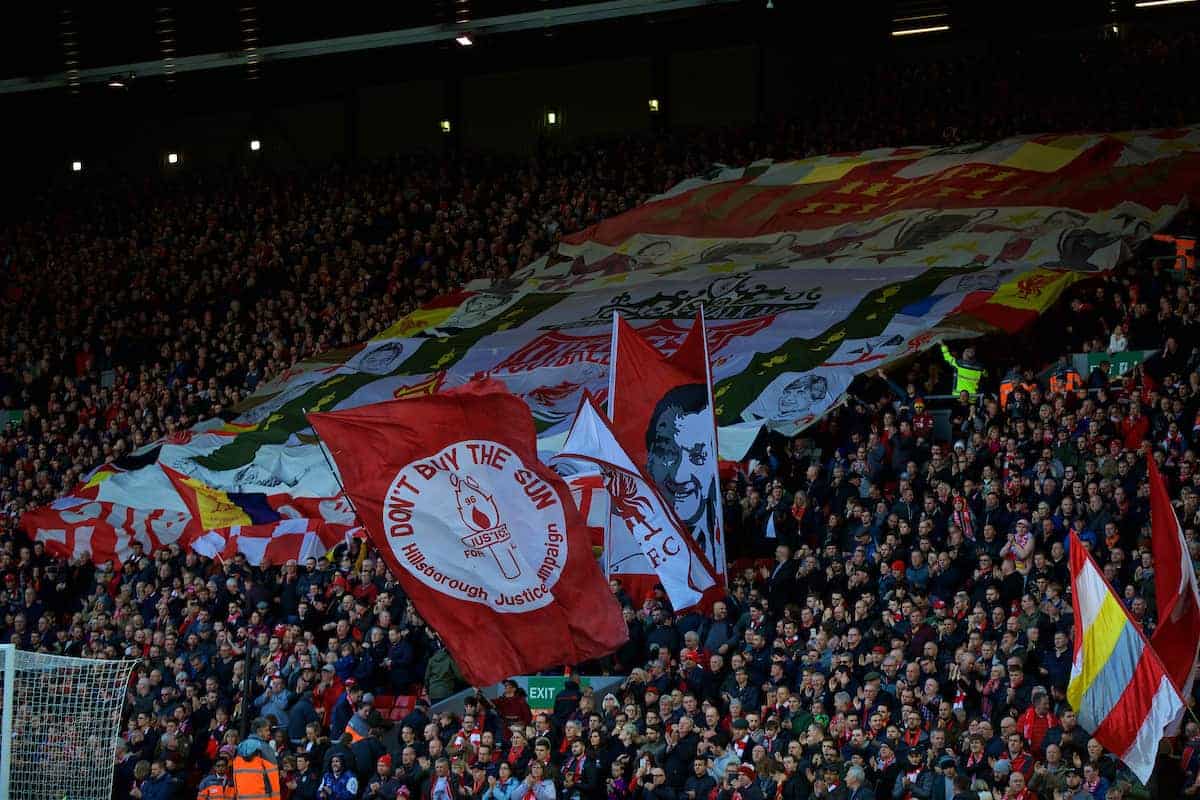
(690,654)
(939,603)
(746,771)
(898,566)
(349,682)
(385,759)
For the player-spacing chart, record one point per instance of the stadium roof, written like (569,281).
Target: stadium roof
(50,45)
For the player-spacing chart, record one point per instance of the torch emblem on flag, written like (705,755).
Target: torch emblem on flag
(479,513)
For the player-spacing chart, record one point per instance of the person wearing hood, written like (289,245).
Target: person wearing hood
(339,783)
(256,767)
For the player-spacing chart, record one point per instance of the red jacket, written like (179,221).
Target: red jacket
(1132,431)
(1034,728)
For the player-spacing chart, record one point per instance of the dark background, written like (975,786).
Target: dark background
(728,64)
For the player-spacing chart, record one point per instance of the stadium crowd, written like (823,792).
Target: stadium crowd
(903,635)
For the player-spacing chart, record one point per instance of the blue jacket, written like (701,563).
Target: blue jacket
(299,715)
(274,705)
(339,787)
(342,712)
(253,745)
(503,790)
(162,788)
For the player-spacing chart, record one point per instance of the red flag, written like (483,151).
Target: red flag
(645,543)
(1177,637)
(482,536)
(662,414)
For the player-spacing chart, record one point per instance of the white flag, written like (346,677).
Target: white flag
(644,536)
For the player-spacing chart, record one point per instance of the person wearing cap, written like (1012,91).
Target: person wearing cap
(741,743)
(915,781)
(943,781)
(743,787)
(384,784)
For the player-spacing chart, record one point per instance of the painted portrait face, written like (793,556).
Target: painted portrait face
(681,459)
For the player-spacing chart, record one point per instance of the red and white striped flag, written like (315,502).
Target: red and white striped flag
(1177,637)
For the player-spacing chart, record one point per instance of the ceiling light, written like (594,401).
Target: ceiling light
(915,31)
(1152,3)
(116,82)
(172,158)
(464,39)
(551,117)
(76,166)
(444,125)
(255,145)
(653,105)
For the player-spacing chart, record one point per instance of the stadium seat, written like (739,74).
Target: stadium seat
(402,707)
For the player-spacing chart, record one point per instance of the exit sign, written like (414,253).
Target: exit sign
(542,690)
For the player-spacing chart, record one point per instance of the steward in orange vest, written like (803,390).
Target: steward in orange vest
(217,785)
(255,769)
(1065,379)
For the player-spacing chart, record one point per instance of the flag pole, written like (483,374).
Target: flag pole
(336,478)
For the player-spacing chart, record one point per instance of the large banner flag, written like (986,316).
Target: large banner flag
(483,537)
(1177,637)
(1118,687)
(223,524)
(810,273)
(662,414)
(645,543)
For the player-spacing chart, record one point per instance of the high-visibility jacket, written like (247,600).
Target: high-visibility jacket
(255,779)
(357,728)
(967,376)
(1185,250)
(214,787)
(1009,383)
(1067,380)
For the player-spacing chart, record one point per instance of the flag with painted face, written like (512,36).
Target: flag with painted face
(645,542)
(662,416)
(810,273)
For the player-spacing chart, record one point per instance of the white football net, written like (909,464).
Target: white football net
(61,718)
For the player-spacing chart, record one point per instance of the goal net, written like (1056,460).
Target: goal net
(61,717)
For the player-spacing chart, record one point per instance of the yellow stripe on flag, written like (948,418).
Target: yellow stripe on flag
(417,321)
(100,477)
(824,173)
(1099,640)
(1041,158)
(217,511)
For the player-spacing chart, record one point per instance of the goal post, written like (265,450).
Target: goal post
(59,725)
